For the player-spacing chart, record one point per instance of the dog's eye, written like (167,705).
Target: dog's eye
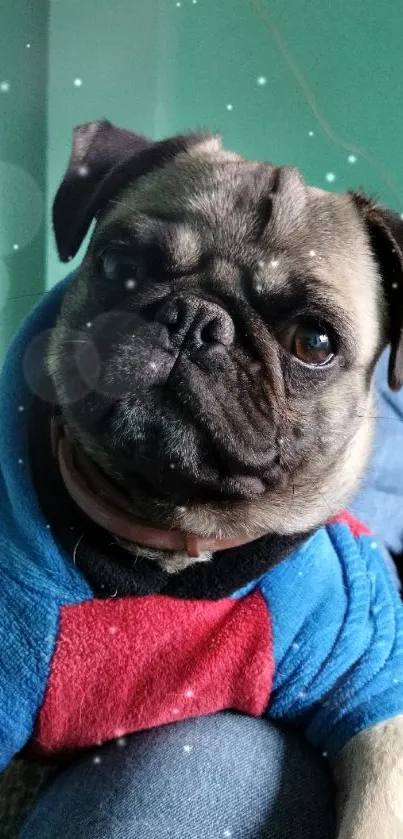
(312,344)
(117,266)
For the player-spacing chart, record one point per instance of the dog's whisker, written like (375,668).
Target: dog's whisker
(76,548)
(377,417)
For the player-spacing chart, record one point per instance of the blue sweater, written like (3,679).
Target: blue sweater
(317,641)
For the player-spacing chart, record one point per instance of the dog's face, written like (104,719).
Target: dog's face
(214,352)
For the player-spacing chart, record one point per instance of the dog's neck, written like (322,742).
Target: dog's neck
(105,505)
(116,569)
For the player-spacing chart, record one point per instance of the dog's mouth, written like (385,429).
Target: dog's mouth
(114,511)
(168,459)
(178,436)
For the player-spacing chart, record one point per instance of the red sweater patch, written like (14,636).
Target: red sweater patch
(135,663)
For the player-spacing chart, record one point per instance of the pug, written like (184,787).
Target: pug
(212,364)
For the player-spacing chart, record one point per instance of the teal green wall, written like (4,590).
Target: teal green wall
(23,80)
(331,102)
(161,66)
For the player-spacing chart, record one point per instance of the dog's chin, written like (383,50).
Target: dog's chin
(162,471)
(165,503)
(162,488)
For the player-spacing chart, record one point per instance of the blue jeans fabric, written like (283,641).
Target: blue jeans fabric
(225,775)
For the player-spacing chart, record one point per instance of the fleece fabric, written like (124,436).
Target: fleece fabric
(316,640)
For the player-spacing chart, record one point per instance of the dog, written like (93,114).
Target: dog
(212,364)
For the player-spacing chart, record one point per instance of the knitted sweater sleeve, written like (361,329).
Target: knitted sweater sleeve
(337,622)
(28,628)
(35,579)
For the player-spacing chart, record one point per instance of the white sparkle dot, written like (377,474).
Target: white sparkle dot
(227,834)
(175,710)
(300,574)
(324,754)
(181,509)
(172,466)
(229,107)
(113,630)
(16,247)
(88,324)
(395,681)
(261,263)
(395,285)
(352,158)
(261,80)
(130,283)
(179,4)
(312,253)
(47,526)
(20,408)
(83,171)
(295,646)
(401,215)
(189,693)
(274,263)
(374,545)
(153,365)
(187,749)
(69,258)
(194,2)
(330,177)
(99,742)
(311,133)
(28,46)
(302,695)
(20,460)
(5,87)
(280,441)
(78,82)
(121,741)
(259,287)
(96,759)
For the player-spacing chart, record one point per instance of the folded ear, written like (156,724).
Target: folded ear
(98,147)
(104,159)
(385,229)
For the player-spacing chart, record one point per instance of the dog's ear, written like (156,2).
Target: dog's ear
(98,147)
(385,230)
(104,159)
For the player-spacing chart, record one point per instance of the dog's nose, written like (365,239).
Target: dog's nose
(199,323)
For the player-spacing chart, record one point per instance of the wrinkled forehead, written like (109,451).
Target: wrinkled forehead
(204,181)
(218,194)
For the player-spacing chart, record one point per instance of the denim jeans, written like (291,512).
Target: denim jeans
(225,775)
